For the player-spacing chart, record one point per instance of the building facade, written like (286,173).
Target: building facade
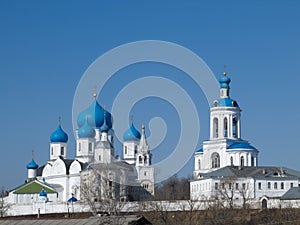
(61,178)
(227,166)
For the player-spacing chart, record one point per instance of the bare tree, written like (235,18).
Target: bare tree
(160,210)
(245,191)
(191,207)
(4,206)
(231,192)
(225,192)
(103,188)
(173,189)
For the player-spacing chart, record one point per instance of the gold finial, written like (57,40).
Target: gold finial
(143,126)
(224,73)
(95,92)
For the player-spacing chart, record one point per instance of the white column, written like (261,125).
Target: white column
(229,126)
(239,127)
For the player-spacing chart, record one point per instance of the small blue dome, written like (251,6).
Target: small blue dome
(225,102)
(86,131)
(95,116)
(224,82)
(104,127)
(200,150)
(32,165)
(131,134)
(43,193)
(59,135)
(241,146)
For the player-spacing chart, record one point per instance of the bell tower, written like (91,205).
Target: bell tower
(225,146)
(225,114)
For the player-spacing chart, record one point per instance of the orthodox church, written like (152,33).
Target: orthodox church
(61,178)
(227,166)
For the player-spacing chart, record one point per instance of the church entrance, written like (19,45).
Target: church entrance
(264,204)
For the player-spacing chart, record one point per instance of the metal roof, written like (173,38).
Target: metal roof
(293,193)
(263,172)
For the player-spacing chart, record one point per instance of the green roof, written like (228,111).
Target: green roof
(33,187)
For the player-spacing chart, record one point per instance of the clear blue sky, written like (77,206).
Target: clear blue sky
(45,47)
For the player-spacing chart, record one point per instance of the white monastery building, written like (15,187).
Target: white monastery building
(227,166)
(60,179)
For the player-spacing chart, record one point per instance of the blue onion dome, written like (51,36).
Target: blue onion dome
(104,128)
(132,134)
(224,81)
(43,193)
(95,116)
(86,131)
(32,165)
(59,135)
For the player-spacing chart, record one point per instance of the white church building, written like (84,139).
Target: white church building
(61,178)
(227,166)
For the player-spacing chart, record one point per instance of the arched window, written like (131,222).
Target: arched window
(215,128)
(140,159)
(234,127)
(145,159)
(225,127)
(199,164)
(125,150)
(252,161)
(215,160)
(275,185)
(90,147)
(231,161)
(51,150)
(242,161)
(62,150)
(79,147)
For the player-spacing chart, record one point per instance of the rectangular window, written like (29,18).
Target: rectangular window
(230,186)
(216,186)
(223,186)
(275,185)
(244,186)
(292,185)
(62,150)
(237,186)
(282,185)
(259,185)
(269,185)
